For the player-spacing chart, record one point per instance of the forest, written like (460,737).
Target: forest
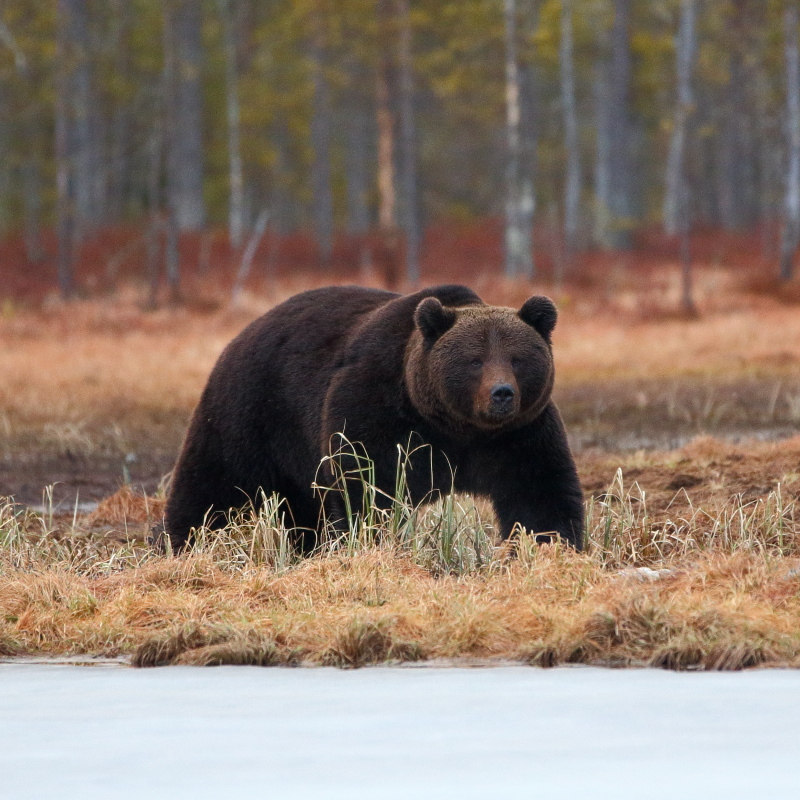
(352,131)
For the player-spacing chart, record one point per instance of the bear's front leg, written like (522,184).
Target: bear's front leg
(535,483)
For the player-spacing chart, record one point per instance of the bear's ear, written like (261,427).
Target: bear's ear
(433,319)
(540,313)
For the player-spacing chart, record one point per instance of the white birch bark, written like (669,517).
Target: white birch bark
(154,171)
(31,167)
(321,143)
(621,165)
(174,158)
(602,164)
(356,167)
(119,156)
(675,175)
(572,184)
(63,150)
(184,110)
(387,215)
(519,196)
(32,201)
(84,163)
(791,222)
(408,140)
(227,10)
(259,229)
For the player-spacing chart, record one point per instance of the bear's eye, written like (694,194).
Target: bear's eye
(516,362)
(476,362)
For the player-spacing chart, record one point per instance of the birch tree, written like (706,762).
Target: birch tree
(408,139)
(183,49)
(677,201)
(791,213)
(321,141)
(81,95)
(228,13)
(356,151)
(154,163)
(63,149)
(572,184)
(620,162)
(675,198)
(519,194)
(602,161)
(175,156)
(122,122)
(31,171)
(386,256)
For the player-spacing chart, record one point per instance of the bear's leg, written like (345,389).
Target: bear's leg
(536,485)
(301,513)
(541,508)
(201,492)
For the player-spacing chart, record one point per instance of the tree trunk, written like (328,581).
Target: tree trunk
(228,12)
(602,165)
(356,147)
(155,155)
(768,176)
(174,156)
(519,194)
(183,57)
(408,140)
(385,124)
(7,39)
(172,256)
(84,163)
(621,166)
(259,229)
(5,168)
(387,253)
(32,201)
(118,184)
(63,149)
(31,175)
(677,175)
(572,185)
(321,142)
(357,167)
(791,213)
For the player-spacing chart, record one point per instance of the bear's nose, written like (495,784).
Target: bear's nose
(502,393)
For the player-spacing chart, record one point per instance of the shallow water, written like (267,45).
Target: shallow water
(510,732)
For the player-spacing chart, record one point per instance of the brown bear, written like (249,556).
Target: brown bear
(463,385)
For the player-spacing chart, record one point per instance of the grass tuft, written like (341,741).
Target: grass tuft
(363,642)
(210,646)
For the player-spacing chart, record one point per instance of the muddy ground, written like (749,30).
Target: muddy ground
(653,430)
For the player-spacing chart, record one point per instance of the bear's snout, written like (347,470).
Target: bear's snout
(502,399)
(498,398)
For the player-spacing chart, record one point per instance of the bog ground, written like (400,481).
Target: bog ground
(685,432)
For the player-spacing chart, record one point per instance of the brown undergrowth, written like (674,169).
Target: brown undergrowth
(692,561)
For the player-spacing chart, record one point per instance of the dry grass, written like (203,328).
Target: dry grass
(673,584)
(693,557)
(59,363)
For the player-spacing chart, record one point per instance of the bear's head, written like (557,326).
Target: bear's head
(481,367)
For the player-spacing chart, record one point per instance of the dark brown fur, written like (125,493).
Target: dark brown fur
(466,386)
